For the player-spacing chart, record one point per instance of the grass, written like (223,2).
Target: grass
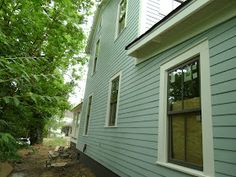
(53,142)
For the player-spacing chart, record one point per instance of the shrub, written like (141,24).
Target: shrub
(8,147)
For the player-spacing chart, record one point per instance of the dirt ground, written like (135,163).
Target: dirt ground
(33,164)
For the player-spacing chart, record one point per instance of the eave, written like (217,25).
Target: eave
(94,26)
(188,20)
(77,107)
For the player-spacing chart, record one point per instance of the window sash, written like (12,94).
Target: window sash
(96,56)
(114,92)
(95,64)
(184,112)
(88,115)
(182,87)
(122,15)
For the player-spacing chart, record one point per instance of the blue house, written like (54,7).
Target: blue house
(160,96)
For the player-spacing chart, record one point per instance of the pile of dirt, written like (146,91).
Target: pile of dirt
(33,164)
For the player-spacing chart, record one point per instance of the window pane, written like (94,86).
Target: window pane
(112,114)
(122,9)
(194,139)
(191,87)
(122,15)
(121,25)
(95,64)
(88,115)
(114,90)
(175,90)
(113,101)
(177,137)
(97,48)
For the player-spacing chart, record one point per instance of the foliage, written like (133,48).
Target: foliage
(8,147)
(39,41)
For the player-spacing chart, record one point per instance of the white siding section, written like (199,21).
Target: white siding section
(150,14)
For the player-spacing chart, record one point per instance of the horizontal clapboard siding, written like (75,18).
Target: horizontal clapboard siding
(130,149)
(150,14)
(223,82)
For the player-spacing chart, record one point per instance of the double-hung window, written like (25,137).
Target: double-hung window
(96,56)
(185,141)
(113,100)
(88,115)
(121,16)
(184,115)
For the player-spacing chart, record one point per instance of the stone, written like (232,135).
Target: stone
(5,169)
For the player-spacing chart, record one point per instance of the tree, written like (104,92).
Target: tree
(39,41)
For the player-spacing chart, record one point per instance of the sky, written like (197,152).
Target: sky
(78,95)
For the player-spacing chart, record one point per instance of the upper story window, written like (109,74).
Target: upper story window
(88,115)
(185,141)
(96,56)
(121,16)
(113,100)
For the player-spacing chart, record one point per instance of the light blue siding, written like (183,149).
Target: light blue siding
(130,149)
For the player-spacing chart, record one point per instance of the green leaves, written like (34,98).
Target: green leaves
(8,147)
(40,40)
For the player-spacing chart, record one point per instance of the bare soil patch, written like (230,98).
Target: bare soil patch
(33,164)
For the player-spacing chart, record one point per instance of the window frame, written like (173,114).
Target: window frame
(118,18)
(109,99)
(96,55)
(87,119)
(183,111)
(201,49)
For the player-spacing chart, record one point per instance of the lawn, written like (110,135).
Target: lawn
(53,142)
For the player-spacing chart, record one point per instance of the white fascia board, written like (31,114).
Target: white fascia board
(177,18)
(94,26)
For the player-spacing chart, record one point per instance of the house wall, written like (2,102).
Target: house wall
(130,149)
(75,127)
(150,14)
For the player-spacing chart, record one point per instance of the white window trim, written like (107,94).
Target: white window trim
(201,49)
(94,55)
(109,97)
(91,95)
(117,34)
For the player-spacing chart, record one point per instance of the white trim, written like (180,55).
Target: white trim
(183,169)
(169,23)
(220,13)
(117,19)
(91,95)
(108,100)
(201,49)
(93,30)
(94,55)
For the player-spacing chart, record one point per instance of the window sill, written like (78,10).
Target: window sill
(182,169)
(115,126)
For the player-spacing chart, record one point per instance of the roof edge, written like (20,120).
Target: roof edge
(163,20)
(94,25)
